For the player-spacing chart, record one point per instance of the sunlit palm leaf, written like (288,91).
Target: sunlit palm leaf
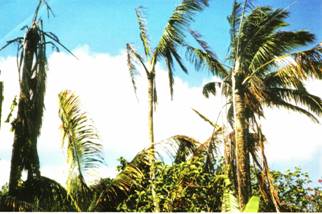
(84,152)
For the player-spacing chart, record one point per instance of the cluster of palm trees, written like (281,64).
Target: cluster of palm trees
(264,68)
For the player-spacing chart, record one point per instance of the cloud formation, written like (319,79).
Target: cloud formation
(104,86)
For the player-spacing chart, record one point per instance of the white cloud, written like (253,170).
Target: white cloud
(103,83)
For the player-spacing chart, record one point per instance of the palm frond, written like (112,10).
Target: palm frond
(40,3)
(210,88)
(215,126)
(276,44)
(169,63)
(302,64)
(300,96)
(10,203)
(278,102)
(47,194)
(187,146)
(204,58)
(180,19)
(143,31)
(121,186)
(131,66)
(84,152)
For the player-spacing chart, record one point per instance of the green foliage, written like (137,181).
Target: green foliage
(252,205)
(181,187)
(295,192)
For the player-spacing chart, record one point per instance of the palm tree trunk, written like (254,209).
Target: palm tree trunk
(1,100)
(151,95)
(22,154)
(240,139)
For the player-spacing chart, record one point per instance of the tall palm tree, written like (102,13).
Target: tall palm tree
(32,68)
(84,152)
(32,75)
(266,69)
(172,37)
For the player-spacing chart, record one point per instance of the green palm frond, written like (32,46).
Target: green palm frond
(234,22)
(121,186)
(278,102)
(301,65)
(169,63)
(10,203)
(173,35)
(204,58)
(79,133)
(276,44)
(84,152)
(180,19)
(211,88)
(143,31)
(47,194)
(300,97)
(186,147)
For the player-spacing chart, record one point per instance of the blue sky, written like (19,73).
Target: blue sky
(105,26)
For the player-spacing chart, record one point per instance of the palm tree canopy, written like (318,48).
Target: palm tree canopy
(272,68)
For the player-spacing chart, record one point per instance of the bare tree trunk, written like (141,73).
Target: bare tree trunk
(1,100)
(151,95)
(240,139)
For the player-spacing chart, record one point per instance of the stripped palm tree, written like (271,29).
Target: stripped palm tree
(172,37)
(84,152)
(32,68)
(266,69)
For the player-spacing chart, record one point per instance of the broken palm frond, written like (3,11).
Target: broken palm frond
(46,194)
(123,184)
(267,176)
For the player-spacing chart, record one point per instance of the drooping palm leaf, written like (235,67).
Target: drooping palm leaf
(143,31)
(10,203)
(47,194)
(84,152)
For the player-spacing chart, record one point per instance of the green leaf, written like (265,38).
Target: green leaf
(252,205)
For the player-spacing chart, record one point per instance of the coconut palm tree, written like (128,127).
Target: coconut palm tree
(265,69)
(172,37)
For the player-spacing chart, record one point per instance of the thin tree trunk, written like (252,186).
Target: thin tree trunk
(1,100)
(151,95)
(240,139)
